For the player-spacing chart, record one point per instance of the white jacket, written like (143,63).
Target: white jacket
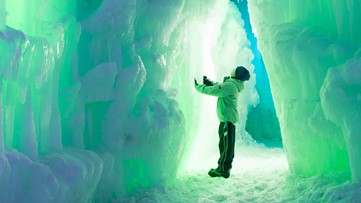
(227,94)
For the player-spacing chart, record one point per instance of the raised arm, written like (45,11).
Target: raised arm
(218,90)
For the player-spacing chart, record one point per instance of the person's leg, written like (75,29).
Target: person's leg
(229,147)
(227,155)
(215,172)
(226,143)
(221,131)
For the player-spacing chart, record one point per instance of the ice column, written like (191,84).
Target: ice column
(3,14)
(302,42)
(341,100)
(37,46)
(2,26)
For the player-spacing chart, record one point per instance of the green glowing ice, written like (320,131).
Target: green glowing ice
(301,45)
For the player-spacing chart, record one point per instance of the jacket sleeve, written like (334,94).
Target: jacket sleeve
(218,90)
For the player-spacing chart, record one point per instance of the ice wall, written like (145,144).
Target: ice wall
(311,52)
(262,122)
(35,166)
(132,117)
(78,123)
(95,95)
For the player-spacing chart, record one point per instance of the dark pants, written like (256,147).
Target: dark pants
(226,132)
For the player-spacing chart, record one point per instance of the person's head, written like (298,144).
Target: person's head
(240,73)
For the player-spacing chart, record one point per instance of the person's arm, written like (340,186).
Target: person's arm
(208,82)
(218,90)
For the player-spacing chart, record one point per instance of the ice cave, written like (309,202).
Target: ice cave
(98,102)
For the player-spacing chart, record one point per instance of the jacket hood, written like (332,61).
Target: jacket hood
(238,83)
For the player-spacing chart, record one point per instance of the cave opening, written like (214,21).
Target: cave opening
(258,126)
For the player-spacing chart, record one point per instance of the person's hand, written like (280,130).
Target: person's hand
(207,81)
(195,82)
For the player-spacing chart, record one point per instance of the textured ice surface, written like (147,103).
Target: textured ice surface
(78,123)
(340,97)
(310,51)
(97,98)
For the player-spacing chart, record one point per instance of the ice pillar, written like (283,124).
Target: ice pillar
(3,14)
(1,125)
(2,26)
(341,100)
(301,41)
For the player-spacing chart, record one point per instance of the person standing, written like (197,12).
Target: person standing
(227,112)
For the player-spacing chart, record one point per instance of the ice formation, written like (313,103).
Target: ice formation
(311,51)
(97,97)
(262,122)
(95,94)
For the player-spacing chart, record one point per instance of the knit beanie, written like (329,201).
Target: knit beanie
(242,73)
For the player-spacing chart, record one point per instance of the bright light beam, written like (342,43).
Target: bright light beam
(205,143)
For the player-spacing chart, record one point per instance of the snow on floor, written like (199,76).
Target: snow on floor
(259,174)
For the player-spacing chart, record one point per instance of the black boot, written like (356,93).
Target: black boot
(217,172)
(214,172)
(225,174)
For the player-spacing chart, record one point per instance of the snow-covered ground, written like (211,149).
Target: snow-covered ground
(259,174)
